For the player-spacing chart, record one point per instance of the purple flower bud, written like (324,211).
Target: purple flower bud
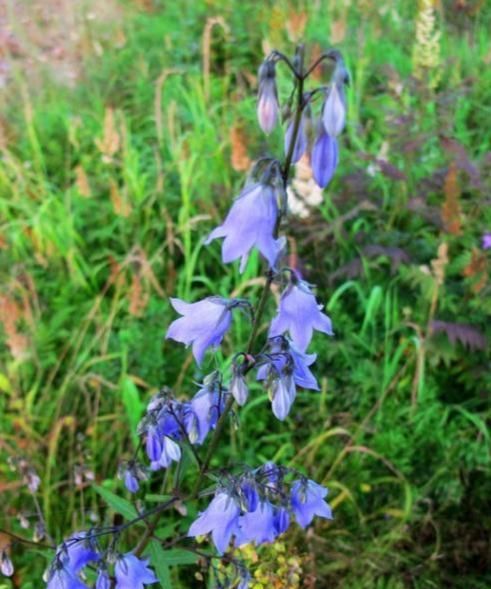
(220,518)
(131,482)
(131,473)
(307,500)
(250,223)
(283,394)
(245,580)
(238,386)
(103,581)
(203,324)
(334,110)
(6,565)
(267,106)
(299,314)
(133,573)
(486,241)
(300,144)
(324,158)
(153,444)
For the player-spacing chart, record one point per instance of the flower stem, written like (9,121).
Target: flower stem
(259,311)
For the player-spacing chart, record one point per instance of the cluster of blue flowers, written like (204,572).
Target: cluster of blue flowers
(81,550)
(257,507)
(254,505)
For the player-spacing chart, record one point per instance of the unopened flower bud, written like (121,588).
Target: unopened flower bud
(6,566)
(267,106)
(238,386)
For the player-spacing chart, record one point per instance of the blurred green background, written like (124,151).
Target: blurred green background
(125,131)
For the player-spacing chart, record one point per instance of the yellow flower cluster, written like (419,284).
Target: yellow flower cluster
(275,569)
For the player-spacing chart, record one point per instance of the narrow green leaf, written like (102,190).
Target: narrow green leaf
(120,505)
(161,567)
(133,405)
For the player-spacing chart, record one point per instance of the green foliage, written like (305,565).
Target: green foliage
(106,192)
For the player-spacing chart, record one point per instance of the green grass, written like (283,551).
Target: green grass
(399,431)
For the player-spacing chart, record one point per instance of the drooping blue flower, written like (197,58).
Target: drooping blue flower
(299,314)
(324,159)
(486,241)
(133,573)
(301,143)
(307,501)
(62,578)
(283,354)
(203,324)
(77,552)
(220,518)
(257,526)
(250,223)
(267,105)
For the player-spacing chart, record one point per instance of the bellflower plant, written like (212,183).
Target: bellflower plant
(250,223)
(182,430)
(299,314)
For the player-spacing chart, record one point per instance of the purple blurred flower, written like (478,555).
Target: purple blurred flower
(220,518)
(207,405)
(324,158)
(307,501)
(334,110)
(281,520)
(77,552)
(131,482)
(300,144)
(257,526)
(250,223)
(267,106)
(170,452)
(153,443)
(245,580)
(62,578)
(6,565)
(283,393)
(486,241)
(238,386)
(282,353)
(133,573)
(103,581)
(249,495)
(299,314)
(203,323)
